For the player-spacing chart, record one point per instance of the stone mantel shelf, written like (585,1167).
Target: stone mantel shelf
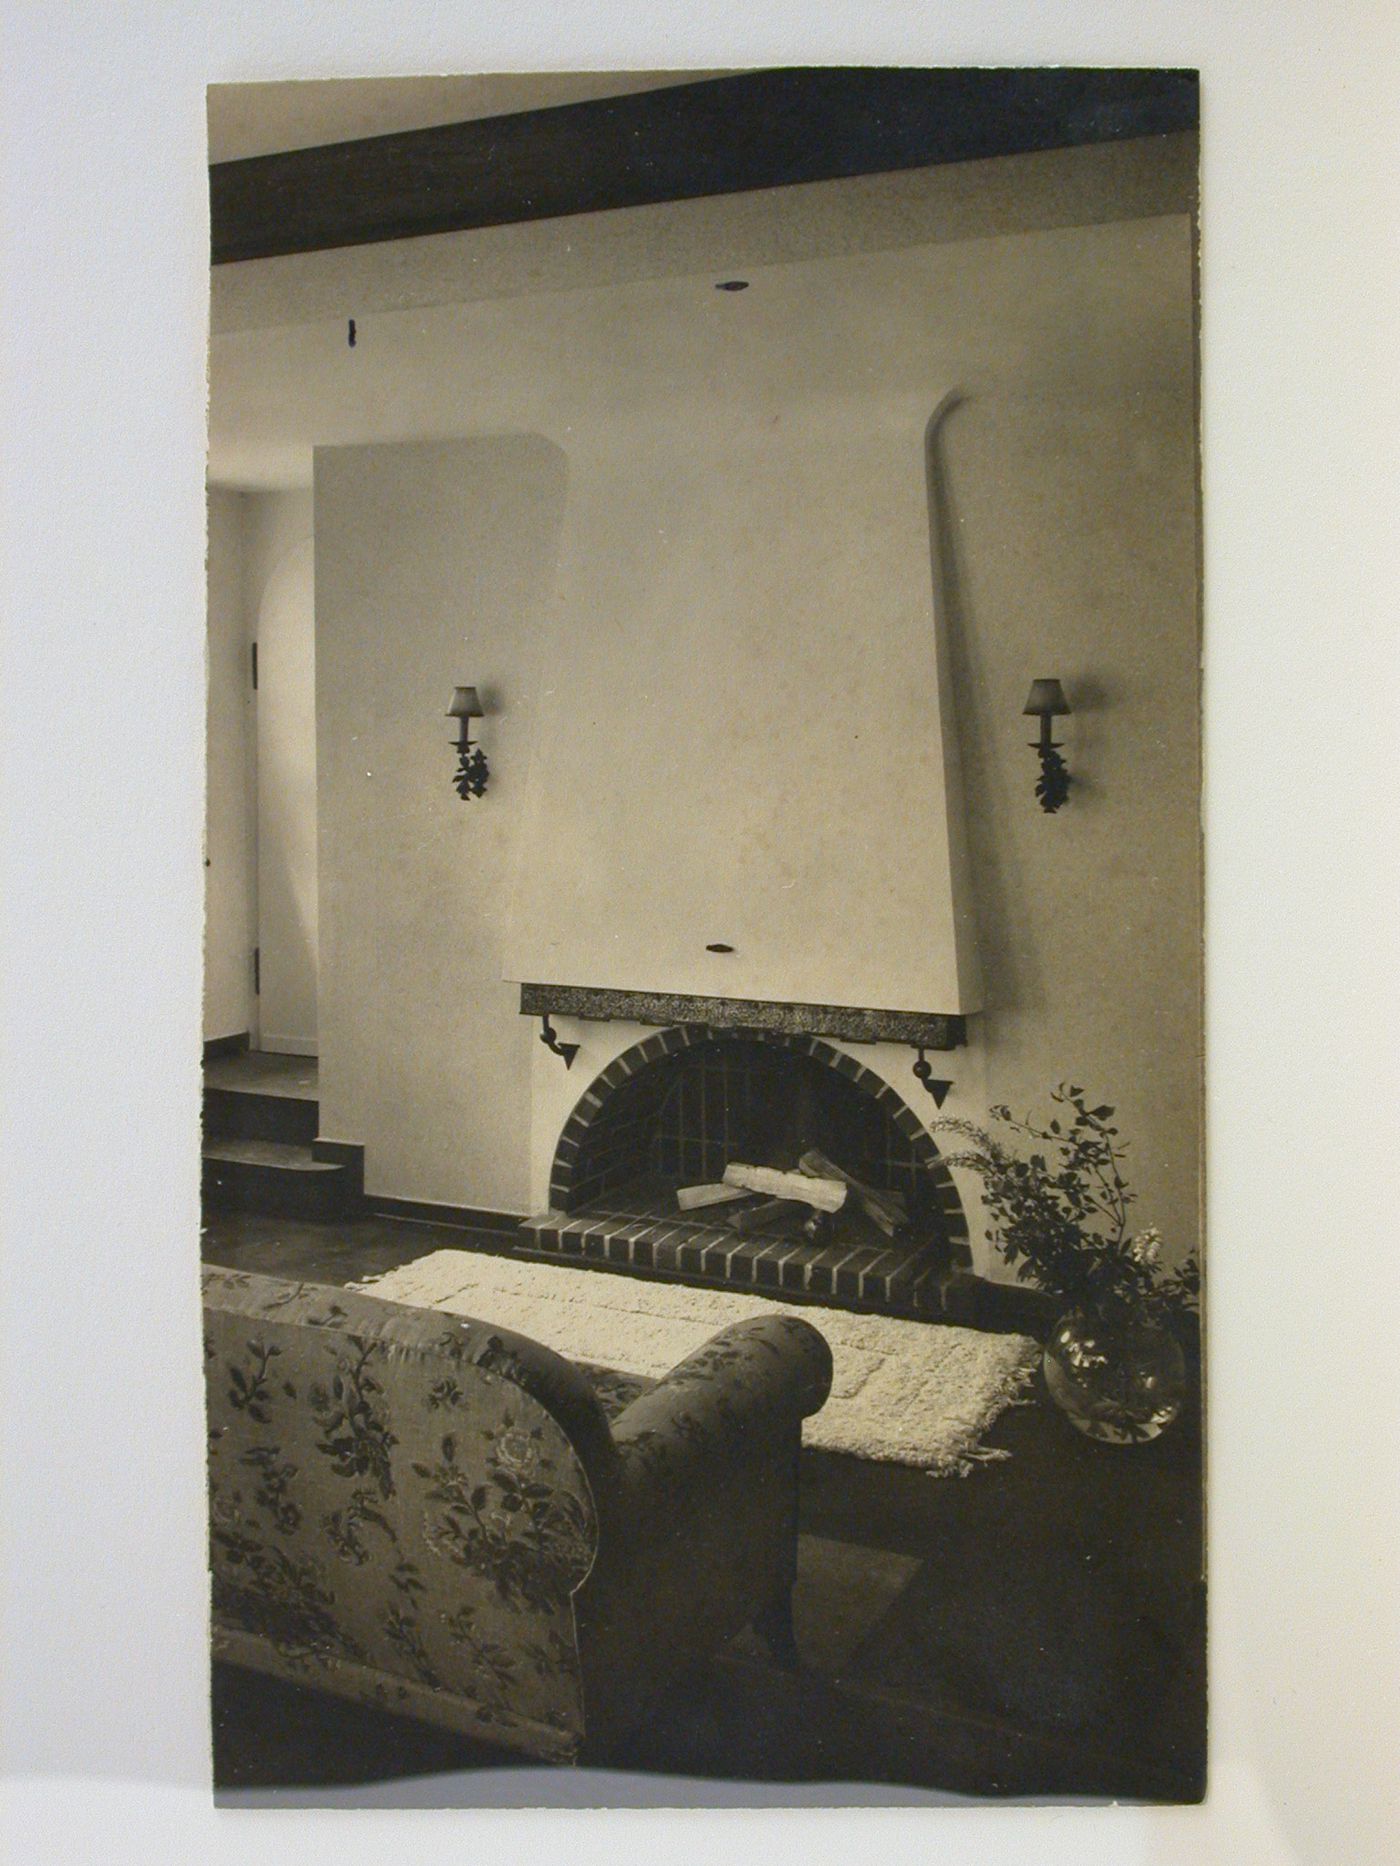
(930,1030)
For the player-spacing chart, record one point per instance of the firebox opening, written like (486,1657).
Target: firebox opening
(687,1103)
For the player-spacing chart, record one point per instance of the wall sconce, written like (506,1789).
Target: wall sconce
(472,771)
(1047,701)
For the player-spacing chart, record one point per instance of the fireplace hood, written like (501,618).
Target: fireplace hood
(744,783)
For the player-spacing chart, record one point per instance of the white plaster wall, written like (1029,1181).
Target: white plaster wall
(1067,509)
(1071,551)
(434,562)
(741,690)
(228,835)
(1075,538)
(280,596)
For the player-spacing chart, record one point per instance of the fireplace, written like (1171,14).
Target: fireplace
(685,1103)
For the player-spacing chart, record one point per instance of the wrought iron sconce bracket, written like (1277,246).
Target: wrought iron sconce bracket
(472,768)
(472,771)
(1052,786)
(1047,702)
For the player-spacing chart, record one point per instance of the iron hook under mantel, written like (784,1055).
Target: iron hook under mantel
(567,1050)
(923,1072)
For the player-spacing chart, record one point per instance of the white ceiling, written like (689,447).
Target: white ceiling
(266,119)
(1074,313)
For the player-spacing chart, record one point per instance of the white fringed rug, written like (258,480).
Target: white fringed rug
(915,1393)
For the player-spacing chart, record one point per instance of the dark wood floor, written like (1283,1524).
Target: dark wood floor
(1034,1629)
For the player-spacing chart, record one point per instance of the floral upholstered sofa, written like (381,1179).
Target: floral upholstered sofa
(436,1516)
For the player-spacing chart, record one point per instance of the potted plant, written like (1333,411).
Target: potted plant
(1059,1215)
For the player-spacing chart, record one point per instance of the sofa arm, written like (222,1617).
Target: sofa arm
(698,1523)
(751,1383)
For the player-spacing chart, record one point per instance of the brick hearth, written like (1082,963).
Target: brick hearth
(639,1229)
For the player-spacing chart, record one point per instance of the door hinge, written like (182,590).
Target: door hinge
(257,970)
(255,666)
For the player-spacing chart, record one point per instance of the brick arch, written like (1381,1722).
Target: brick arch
(564,1186)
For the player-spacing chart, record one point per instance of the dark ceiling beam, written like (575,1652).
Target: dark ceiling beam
(762,129)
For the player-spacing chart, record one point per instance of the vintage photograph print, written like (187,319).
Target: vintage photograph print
(703,1030)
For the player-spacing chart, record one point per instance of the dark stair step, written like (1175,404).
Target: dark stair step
(278,1177)
(256,1114)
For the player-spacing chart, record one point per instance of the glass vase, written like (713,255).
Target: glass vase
(1121,1380)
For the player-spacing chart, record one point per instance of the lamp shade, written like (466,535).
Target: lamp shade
(465,704)
(1047,698)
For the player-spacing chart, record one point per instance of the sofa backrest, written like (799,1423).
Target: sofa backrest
(401,1505)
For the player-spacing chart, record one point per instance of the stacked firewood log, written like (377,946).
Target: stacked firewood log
(802,1202)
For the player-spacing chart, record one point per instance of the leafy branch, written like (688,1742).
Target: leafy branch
(1060,1213)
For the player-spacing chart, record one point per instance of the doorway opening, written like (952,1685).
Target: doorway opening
(261,905)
